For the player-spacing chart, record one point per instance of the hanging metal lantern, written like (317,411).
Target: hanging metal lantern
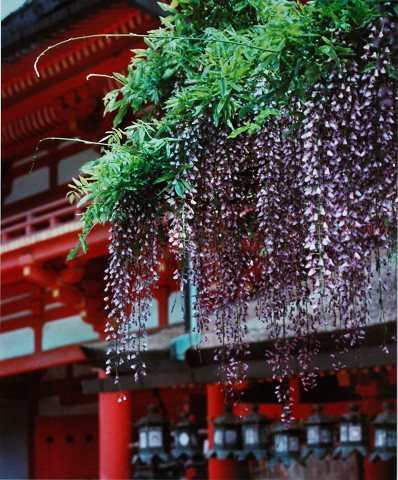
(287,436)
(227,436)
(385,435)
(153,437)
(353,433)
(255,435)
(186,439)
(319,429)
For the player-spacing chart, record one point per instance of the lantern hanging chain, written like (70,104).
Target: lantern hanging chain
(138,35)
(161,403)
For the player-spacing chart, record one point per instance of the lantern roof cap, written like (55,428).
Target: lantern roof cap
(288,424)
(318,417)
(388,416)
(153,418)
(354,416)
(228,418)
(185,422)
(255,417)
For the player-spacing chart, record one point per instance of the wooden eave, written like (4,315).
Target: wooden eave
(200,368)
(41,360)
(54,103)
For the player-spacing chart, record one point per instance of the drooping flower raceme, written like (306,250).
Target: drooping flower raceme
(299,218)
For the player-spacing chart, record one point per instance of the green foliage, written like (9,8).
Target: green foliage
(240,60)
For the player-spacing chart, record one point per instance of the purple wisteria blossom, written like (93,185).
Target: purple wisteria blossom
(301,223)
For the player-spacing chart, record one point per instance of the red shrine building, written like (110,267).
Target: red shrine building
(60,417)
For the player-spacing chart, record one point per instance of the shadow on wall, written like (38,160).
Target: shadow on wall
(13,439)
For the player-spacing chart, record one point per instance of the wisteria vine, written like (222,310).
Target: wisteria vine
(297,215)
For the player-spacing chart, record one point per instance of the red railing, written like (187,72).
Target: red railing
(38,219)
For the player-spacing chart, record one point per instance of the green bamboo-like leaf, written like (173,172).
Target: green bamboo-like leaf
(85,199)
(238,131)
(120,114)
(77,182)
(249,107)
(187,185)
(369,67)
(222,87)
(266,113)
(120,77)
(179,189)
(83,239)
(73,252)
(165,177)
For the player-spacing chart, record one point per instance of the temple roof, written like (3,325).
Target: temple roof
(38,18)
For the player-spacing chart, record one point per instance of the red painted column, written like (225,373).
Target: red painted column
(114,432)
(162,296)
(218,469)
(380,470)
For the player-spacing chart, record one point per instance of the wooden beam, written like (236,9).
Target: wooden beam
(25,304)
(48,245)
(14,290)
(365,357)
(41,360)
(29,320)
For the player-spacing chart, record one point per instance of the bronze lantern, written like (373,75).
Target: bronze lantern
(353,433)
(287,435)
(153,438)
(255,435)
(320,430)
(186,439)
(227,436)
(385,434)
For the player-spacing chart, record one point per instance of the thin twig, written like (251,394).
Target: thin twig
(103,75)
(137,35)
(87,142)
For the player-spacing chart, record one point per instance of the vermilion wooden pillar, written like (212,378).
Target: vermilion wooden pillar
(218,469)
(114,435)
(382,470)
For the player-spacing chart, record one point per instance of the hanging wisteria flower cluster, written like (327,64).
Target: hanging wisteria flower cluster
(297,222)
(295,210)
(132,272)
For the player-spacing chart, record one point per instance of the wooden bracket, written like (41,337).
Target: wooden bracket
(68,296)
(35,273)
